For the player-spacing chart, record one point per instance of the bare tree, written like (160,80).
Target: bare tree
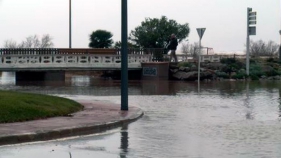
(31,42)
(46,41)
(190,49)
(261,48)
(10,44)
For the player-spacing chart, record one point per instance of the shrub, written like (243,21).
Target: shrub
(239,76)
(254,77)
(273,60)
(253,61)
(231,65)
(222,74)
(273,73)
(270,60)
(184,64)
(256,70)
(228,60)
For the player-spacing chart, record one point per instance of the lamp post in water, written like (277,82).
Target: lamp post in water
(124,56)
(69,23)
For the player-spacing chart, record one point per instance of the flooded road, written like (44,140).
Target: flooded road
(226,119)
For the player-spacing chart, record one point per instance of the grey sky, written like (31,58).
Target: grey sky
(224,20)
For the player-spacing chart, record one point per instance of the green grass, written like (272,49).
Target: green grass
(17,107)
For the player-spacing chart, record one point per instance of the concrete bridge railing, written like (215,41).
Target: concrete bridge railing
(69,61)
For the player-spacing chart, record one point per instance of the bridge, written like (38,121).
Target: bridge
(47,59)
(51,63)
(71,59)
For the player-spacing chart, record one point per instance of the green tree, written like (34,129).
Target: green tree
(118,44)
(101,39)
(154,33)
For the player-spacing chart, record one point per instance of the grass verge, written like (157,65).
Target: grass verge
(19,106)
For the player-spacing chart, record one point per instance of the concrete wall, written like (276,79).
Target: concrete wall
(155,71)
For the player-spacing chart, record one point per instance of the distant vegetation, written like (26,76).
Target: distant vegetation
(31,42)
(262,48)
(154,33)
(230,68)
(101,39)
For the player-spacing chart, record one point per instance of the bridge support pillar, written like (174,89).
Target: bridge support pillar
(155,71)
(40,75)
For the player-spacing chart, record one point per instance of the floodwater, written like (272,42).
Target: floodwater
(223,120)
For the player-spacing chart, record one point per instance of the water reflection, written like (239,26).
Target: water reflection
(80,81)
(88,85)
(249,113)
(7,78)
(279,99)
(124,141)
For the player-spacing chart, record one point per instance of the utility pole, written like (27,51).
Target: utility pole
(251,30)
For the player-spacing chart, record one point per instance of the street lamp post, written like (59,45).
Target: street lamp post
(124,56)
(69,23)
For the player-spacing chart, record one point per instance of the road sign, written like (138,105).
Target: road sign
(252,18)
(252,22)
(253,14)
(200,32)
(252,30)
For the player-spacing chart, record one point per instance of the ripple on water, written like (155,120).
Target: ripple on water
(208,125)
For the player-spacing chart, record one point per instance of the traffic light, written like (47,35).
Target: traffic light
(251,20)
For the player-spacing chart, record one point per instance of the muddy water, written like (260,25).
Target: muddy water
(226,119)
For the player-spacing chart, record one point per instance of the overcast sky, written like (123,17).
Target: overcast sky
(224,20)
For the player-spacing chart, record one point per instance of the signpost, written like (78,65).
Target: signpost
(200,32)
(251,30)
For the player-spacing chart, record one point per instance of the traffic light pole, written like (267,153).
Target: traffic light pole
(251,30)
(248,44)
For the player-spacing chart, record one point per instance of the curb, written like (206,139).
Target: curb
(67,132)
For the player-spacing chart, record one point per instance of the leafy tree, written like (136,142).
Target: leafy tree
(154,33)
(31,42)
(118,44)
(261,48)
(101,39)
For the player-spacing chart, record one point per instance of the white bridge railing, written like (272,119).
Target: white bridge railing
(69,61)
